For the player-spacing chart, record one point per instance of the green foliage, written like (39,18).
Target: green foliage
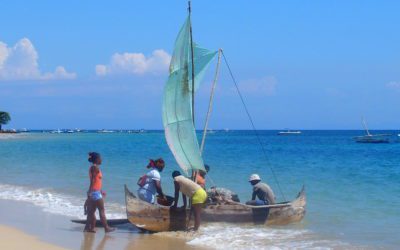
(4,118)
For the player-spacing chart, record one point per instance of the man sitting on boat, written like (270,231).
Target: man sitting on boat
(261,191)
(192,190)
(150,183)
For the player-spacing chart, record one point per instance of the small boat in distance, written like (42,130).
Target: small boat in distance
(105,131)
(370,138)
(289,132)
(58,131)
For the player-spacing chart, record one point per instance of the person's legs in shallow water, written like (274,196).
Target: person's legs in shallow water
(197,215)
(100,206)
(91,217)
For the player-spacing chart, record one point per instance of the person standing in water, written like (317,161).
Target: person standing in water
(95,196)
(192,190)
(150,183)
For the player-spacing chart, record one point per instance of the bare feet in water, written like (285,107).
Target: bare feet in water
(89,231)
(109,230)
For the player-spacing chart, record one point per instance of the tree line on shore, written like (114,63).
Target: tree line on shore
(5,118)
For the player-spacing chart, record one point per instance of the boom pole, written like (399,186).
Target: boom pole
(210,104)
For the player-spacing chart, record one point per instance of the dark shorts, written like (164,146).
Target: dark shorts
(257,203)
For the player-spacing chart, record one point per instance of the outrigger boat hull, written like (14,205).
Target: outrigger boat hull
(157,218)
(154,218)
(372,139)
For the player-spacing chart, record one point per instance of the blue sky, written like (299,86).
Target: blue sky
(103,64)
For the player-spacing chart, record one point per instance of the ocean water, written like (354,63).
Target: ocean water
(353,190)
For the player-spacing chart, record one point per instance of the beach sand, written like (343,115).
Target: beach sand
(11,238)
(43,230)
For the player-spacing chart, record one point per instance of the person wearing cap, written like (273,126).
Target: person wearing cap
(190,189)
(150,183)
(261,191)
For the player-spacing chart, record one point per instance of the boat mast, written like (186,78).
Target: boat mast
(194,173)
(365,125)
(191,55)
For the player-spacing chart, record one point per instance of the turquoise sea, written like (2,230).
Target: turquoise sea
(353,190)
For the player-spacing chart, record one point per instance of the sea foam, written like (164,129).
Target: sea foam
(54,202)
(224,236)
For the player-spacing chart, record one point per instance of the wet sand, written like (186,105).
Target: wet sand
(11,238)
(55,230)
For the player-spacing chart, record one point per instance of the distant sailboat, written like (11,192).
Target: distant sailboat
(289,132)
(105,131)
(370,138)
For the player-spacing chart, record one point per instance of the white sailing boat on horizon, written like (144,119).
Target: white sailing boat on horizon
(289,132)
(371,138)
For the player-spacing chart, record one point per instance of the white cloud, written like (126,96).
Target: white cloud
(263,86)
(59,73)
(136,64)
(20,62)
(101,70)
(394,85)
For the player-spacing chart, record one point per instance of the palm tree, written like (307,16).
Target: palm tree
(4,118)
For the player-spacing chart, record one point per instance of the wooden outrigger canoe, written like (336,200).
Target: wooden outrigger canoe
(157,218)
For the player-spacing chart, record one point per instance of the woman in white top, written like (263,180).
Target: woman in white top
(150,183)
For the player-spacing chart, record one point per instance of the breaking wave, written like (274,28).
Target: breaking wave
(223,236)
(54,202)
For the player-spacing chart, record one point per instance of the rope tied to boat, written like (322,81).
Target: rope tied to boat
(253,126)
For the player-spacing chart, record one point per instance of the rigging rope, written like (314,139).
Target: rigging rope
(253,126)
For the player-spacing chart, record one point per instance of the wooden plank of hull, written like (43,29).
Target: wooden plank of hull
(153,218)
(241,214)
(158,218)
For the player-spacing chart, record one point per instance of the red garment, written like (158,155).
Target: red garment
(200,180)
(96,178)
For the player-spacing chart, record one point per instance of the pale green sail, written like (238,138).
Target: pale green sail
(180,132)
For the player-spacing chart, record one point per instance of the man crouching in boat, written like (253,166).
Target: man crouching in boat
(261,191)
(150,183)
(194,191)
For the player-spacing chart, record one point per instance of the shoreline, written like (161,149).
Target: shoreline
(60,233)
(57,232)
